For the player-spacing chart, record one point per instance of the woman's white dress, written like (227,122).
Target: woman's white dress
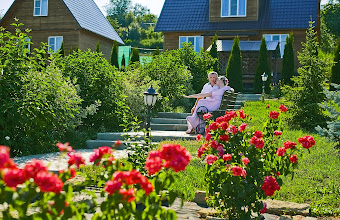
(211,104)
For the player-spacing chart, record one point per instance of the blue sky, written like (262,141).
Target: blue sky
(155,6)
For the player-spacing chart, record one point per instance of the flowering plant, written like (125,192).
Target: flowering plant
(122,188)
(244,165)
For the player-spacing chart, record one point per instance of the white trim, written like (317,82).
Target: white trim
(28,44)
(186,40)
(40,14)
(229,8)
(55,44)
(280,41)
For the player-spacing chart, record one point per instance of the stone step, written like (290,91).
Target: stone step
(93,144)
(172,115)
(168,121)
(169,127)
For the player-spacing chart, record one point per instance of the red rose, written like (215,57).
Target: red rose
(214,144)
(76,159)
(224,126)
(49,182)
(293,158)
(220,119)
(268,106)
(4,156)
(289,144)
(207,116)
(33,168)
(242,115)
(242,127)
(270,185)
(264,209)
(214,126)
(226,157)
(232,129)
(175,156)
(278,173)
(277,133)
(237,171)
(274,114)
(224,137)
(258,134)
(14,177)
(232,114)
(201,151)
(281,151)
(283,108)
(307,141)
(198,137)
(210,159)
(64,147)
(258,142)
(153,162)
(128,195)
(118,143)
(99,153)
(208,137)
(245,160)
(244,173)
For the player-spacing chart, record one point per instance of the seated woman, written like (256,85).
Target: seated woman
(211,104)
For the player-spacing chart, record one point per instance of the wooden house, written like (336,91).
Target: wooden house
(77,23)
(197,21)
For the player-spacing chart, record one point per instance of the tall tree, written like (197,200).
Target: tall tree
(234,67)
(118,9)
(331,17)
(114,55)
(122,66)
(214,53)
(262,67)
(98,47)
(335,78)
(309,93)
(61,51)
(134,55)
(288,61)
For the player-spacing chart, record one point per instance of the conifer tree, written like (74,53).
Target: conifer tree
(134,55)
(288,61)
(262,67)
(214,53)
(234,67)
(156,52)
(70,50)
(98,47)
(61,51)
(308,94)
(335,78)
(122,66)
(114,55)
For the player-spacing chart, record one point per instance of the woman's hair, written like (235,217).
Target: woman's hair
(223,79)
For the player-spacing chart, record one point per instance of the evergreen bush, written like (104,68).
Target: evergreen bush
(308,92)
(234,67)
(288,61)
(335,78)
(333,127)
(61,51)
(262,67)
(156,52)
(214,53)
(122,65)
(98,47)
(134,56)
(114,55)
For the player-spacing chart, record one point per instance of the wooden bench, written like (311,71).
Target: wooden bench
(227,104)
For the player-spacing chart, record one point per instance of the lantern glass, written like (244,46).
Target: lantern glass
(148,99)
(264,77)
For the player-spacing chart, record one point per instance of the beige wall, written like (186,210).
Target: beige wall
(89,40)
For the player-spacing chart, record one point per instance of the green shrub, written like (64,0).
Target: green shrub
(97,81)
(114,55)
(262,67)
(134,56)
(335,78)
(234,68)
(308,92)
(288,61)
(214,53)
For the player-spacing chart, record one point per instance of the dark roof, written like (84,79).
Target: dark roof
(89,17)
(193,15)
(227,45)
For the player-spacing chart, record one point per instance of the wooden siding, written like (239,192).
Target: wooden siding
(171,39)
(88,40)
(252,13)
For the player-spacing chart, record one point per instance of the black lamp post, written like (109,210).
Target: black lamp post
(150,98)
(264,79)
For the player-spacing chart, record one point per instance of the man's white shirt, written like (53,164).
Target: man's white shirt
(207,88)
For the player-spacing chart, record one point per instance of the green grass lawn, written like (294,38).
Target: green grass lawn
(316,180)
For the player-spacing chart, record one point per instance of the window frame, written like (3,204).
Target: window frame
(280,41)
(40,14)
(238,8)
(28,40)
(194,45)
(55,44)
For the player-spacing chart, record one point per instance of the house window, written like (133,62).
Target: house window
(281,38)
(233,8)
(40,7)
(28,45)
(196,42)
(54,43)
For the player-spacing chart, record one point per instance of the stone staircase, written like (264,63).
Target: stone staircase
(165,126)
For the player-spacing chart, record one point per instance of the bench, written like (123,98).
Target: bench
(227,104)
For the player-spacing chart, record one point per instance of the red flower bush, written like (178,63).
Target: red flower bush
(224,125)
(274,114)
(227,157)
(307,141)
(49,182)
(237,171)
(281,151)
(289,145)
(207,116)
(293,158)
(33,168)
(76,159)
(99,153)
(270,185)
(258,142)
(245,160)
(277,133)
(14,177)
(170,156)
(242,127)
(64,147)
(198,137)
(224,137)
(4,156)
(210,159)
(258,134)
(283,108)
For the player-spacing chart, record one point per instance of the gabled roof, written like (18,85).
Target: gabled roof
(89,17)
(193,15)
(227,45)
